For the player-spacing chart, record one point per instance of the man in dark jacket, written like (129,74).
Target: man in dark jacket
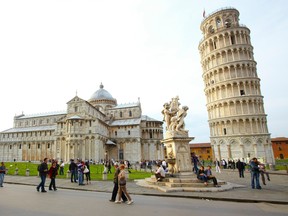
(115,188)
(43,171)
(73,169)
(241,167)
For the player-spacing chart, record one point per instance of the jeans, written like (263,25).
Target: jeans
(42,183)
(80,178)
(195,168)
(255,180)
(73,176)
(241,173)
(203,178)
(1,179)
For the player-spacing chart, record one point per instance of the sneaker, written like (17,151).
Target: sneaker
(112,200)
(118,202)
(130,202)
(37,189)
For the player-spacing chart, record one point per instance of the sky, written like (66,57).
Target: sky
(148,49)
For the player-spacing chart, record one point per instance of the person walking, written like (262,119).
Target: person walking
(115,188)
(52,173)
(43,170)
(240,166)
(122,186)
(2,173)
(254,169)
(217,166)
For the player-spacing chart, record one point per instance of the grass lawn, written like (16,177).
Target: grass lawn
(95,170)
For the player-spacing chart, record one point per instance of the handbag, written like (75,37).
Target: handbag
(86,170)
(122,182)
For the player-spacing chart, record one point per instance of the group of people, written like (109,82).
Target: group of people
(205,175)
(257,169)
(120,186)
(78,170)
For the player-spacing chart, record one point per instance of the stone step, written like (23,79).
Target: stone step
(180,183)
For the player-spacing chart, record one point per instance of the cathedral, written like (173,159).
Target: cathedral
(98,129)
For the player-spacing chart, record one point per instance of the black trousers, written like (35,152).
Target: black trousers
(213,179)
(115,191)
(52,184)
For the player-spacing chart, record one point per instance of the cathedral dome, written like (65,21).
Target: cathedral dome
(102,100)
(101,94)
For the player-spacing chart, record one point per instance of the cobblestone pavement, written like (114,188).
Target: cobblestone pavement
(275,191)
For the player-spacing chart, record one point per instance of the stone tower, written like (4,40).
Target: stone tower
(236,116)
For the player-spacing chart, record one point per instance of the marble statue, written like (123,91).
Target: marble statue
(174,115)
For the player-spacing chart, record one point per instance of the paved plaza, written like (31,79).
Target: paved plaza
(275,191)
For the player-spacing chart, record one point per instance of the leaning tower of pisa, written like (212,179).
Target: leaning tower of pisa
(236,116)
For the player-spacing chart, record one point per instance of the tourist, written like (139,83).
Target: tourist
(209,175)
(254,169)
(241,167)
(217,166)
(52,173)
(263,172)
(80,166)
(160,173)
(164,164)
(72,170)
(2,173)
(43,171)
(115,188)
(87,172)
(195,162)
(122,186)
(201,175)
(62,165)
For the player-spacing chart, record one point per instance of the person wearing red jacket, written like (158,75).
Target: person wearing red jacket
(53,172)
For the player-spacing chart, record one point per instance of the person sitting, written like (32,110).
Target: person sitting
(209,175)
(201,175)
(160,173)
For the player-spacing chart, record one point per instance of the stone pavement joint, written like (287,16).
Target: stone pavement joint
(236,190)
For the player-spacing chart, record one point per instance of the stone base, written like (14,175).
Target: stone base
(185,183)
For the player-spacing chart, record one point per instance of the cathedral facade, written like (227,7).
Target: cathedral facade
(98,129)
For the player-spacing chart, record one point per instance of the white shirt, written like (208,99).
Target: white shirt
(161,171)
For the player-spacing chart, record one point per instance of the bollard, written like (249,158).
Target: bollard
(16,171)
(104,176)
(272,167)
(68,174)
(27,172)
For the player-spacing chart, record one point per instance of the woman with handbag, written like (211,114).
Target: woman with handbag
(87,172)
(122,186)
